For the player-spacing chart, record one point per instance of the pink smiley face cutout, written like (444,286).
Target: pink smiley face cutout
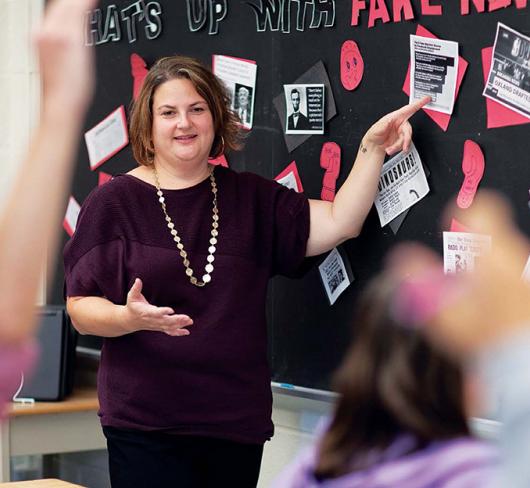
(351,65)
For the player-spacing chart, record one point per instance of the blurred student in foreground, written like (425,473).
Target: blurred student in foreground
(480,320)
(400,420)
(31,217)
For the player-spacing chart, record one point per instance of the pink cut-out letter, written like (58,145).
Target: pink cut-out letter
(479,5)
(402,6)
(139,72)
(428,9)
(330,161)
(498,4)
(378,10)
(356,7)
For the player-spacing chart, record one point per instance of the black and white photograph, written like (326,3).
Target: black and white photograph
(334,275)
(242,103)
(509,77)
(304,109)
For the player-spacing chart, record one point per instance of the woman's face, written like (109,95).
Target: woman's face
(182,130)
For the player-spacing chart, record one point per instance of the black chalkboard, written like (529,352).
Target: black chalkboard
(307,336)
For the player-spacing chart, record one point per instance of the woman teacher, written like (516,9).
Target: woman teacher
(170,264)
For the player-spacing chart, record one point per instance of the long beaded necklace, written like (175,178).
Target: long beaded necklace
(207,277)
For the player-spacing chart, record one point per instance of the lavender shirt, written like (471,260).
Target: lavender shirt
(216,381)
(457,463)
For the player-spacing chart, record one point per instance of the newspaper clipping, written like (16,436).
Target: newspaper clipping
(334,275)
(433,72)
(239,76)
(461,249)
(509,77)
(402,184)
(305,109)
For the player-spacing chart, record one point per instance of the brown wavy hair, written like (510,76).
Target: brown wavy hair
(208,86)
(391,382)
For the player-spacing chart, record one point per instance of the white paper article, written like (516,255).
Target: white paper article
(334,275)
(239,77)
(509,77)
(402,184)
(461,249)
(107,138)
(433,71)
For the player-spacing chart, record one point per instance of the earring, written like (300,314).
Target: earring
(223,145)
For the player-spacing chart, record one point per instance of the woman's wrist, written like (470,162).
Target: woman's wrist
(125,319)
(369,147)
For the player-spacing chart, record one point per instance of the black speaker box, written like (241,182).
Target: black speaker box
(53,376)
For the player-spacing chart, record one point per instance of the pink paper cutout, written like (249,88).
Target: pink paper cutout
(356,7)
(291,168)
(351,65)
(139,72)
(330,161)
(498,4)
(219,161)
(473,168)
(480,6)
(378,10)
(428,9)
(404,6)
(103,178)
(457,226)
(497,114)
(440,118)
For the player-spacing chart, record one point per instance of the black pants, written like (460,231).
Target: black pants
(156,460)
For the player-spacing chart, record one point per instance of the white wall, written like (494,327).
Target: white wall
(19,88)
(19,83)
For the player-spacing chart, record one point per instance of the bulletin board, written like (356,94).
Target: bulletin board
(287,38)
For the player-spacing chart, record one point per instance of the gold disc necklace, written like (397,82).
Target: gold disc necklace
(207,277)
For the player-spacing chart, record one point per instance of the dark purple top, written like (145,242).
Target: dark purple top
(216,381)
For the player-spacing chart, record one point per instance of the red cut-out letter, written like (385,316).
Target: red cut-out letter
(498,4)
(402,6)
(428,9)
(378,10)
(479,5)
(139,72)
(356,7)
(520,3)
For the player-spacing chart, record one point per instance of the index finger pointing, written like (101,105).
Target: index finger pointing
(409,110)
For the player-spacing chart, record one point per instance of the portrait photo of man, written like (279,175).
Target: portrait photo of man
(297,120)
(242,103)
